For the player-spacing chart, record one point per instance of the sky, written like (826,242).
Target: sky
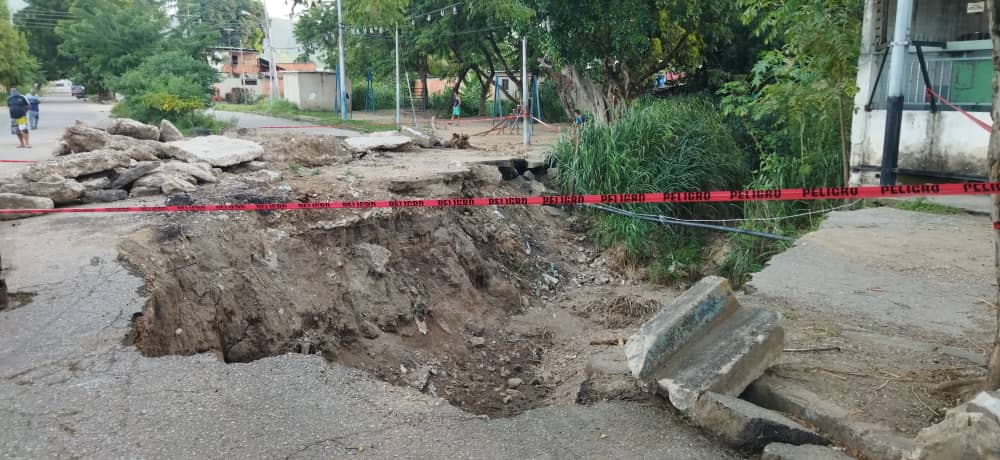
(279,8)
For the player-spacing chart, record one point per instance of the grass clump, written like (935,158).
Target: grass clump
(678,145)
(922,204)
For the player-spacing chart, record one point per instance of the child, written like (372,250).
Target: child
(456,107)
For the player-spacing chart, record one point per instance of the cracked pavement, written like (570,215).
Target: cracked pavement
(71,387)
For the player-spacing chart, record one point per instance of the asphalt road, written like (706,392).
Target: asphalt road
(56,112)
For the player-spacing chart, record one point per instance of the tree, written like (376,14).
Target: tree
(993,373)
(16,65)
(608,54)
(38,22)
(232,23)
(105,38)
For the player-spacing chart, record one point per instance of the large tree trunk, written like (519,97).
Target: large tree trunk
(577,92)
(993,374)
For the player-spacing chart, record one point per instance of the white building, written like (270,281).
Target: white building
(941,143)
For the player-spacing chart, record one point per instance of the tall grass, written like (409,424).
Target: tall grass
(677,145)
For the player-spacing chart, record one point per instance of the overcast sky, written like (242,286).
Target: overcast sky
(279,8)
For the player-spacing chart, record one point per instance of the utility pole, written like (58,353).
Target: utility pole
(524,89)
(894,106)
(397,79)
(274,64)
(341,70)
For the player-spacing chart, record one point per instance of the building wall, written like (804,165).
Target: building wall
(313,90)
(941,142)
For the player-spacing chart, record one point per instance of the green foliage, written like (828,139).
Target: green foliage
(169,85)
(385,95)
(627,43)
(109,37)
(795,112)
(16,65)
(158,68)
(37,20)
(676,145)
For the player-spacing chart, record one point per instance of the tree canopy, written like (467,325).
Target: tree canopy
(16,65)
(37,20)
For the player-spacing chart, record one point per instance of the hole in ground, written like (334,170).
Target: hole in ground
(416,297)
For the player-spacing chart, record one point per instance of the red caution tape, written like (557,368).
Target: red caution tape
(982,124)
(996,225)
(828,193)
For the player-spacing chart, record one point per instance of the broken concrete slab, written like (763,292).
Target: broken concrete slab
(419,137)
(134,129)
(725,358)
(872,441)
(17,201)
(746,426)
(782,451)
(169,132)
(376,141)
(80,164)
(104,196)
(220,151)
(57,188)
(671,328)
(962,434)
(133,174)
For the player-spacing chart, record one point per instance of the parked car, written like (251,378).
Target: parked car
(77,91)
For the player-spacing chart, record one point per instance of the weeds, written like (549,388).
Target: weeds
(677,145)
(924,205)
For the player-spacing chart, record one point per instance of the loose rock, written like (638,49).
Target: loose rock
(419,137)
(104,196)
(173,184)
(782,451)
(746,426)
(513,382)
(97,183)
(169,132)
(138,192)
(376,142)
(134,129)
(80,164)
(57,188)
(134,173)
(16,201)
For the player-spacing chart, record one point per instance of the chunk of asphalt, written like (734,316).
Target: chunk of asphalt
(747,426)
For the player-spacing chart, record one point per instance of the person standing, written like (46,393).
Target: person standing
(456,107)
(17,106)
(33,101)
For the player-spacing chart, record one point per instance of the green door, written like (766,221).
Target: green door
(972,82)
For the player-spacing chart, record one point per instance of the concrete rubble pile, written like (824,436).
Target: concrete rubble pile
(127,159)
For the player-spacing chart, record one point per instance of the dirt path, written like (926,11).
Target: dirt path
(902,294)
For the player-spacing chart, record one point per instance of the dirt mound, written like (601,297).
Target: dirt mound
(305,149)
(417,297)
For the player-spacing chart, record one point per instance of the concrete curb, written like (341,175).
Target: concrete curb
(869,440)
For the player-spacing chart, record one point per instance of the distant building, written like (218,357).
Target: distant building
(944,143)
(242,70)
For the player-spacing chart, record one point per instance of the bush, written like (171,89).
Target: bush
(385,96)
(675,145)
(169,85)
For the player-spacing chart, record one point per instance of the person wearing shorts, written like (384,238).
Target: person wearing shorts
(456,108)
(18,106)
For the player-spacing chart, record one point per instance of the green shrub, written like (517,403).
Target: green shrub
(169,85)
(385,95)
(676,145)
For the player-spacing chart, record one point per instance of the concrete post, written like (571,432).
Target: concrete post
(4,302)
(398,96)
(524,90)
(894,109)
(341,70)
